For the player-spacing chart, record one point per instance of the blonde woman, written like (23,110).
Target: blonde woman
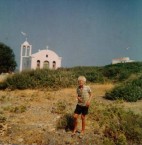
(84,98)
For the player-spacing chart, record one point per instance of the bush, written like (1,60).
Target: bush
(52,79)
(121,71)
(124,75)
(119,127)
(19,81)
(67,77)
(111,72)
(92,74)
(130,91)
(131,124)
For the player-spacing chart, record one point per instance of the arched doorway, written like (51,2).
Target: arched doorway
(46,64)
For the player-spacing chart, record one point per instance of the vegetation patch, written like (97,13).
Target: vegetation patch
(66,122)
(113,123)
(130,91)
(18,109)
(66,77)
(59,107)
(2,118)
(118,126)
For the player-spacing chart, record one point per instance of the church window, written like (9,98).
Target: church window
(23,52)
(54,65)
(38,63)
(46,55)
(28,52)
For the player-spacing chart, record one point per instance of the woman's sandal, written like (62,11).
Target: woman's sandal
(81,135)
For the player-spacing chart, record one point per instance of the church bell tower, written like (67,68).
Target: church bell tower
(25,56)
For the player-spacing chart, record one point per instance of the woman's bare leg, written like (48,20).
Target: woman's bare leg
(75,123)
(83,123)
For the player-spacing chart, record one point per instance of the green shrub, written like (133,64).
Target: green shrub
(67,77)
(119,126)
(94,77)
(131,124)
(108,141)
(19,81)
(137,82)
(92,74)
(121,139)
(111,72)
(52,79)
(124,75)
(130,91)
(122,71)
(114,121)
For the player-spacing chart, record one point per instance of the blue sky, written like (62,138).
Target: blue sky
(82,32)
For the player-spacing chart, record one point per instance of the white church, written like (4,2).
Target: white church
(42,59)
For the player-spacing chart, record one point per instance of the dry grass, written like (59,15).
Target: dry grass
(39,104)
(98,91)
(134,106)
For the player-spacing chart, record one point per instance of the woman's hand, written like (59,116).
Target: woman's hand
(79,99)
(88,104)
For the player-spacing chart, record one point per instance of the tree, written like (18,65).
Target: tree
(7,59)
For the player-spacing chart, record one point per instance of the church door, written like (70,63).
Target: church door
(46,64)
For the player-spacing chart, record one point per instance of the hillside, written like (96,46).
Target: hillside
(33,116)
(37,106)
(66,77)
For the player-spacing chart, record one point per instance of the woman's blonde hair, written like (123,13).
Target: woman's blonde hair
(81,78)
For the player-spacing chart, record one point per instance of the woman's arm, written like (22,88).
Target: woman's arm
(89,100)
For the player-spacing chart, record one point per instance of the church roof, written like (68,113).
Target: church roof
(26,43)
(44,52)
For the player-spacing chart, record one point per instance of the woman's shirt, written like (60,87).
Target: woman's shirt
(84,94)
